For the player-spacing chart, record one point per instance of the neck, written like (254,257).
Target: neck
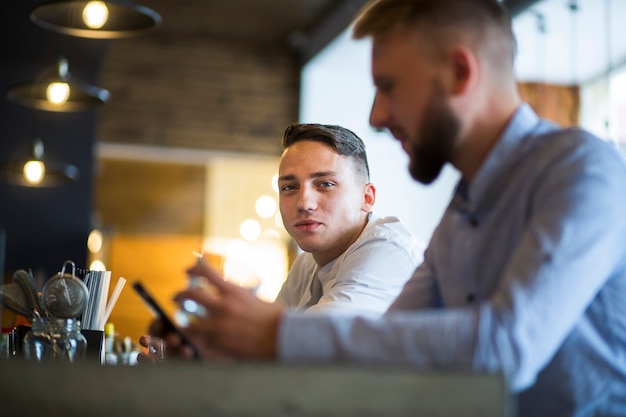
(326,257)
(483,131)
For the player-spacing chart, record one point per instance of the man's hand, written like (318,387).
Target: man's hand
(238,323)
(174,346)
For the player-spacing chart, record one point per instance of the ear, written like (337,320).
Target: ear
(369,197)
(465,70)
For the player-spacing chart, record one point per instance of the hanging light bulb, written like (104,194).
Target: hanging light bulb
(56,91)
(109,19)
(95,241)
(34,169)
(95,14)
(97,265)
(34,172)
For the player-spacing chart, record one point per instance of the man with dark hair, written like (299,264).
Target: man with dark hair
(344,141)
(526,273)
(353,261)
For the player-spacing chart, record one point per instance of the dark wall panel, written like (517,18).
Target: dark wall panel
(45,226)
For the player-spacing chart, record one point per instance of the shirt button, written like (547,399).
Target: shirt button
(470,298)
(473,221)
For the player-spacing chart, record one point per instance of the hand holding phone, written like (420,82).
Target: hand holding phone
(156,309)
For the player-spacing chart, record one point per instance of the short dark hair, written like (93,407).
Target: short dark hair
(486,23)
(343,141)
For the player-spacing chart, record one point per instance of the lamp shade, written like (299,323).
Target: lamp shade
(43,93)
(96,19)
(49,173)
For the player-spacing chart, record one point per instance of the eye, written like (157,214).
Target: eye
(287,187)
(326,184)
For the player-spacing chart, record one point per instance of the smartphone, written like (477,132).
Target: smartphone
(156,309)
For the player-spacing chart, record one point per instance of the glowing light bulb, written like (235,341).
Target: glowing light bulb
(34,171)
(94,241)
(58,93)
(97,265)
(250,229)
(265,206)
(95,14)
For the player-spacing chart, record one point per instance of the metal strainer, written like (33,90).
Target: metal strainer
(64,295)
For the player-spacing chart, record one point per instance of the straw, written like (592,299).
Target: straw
(113,300)
(102,301)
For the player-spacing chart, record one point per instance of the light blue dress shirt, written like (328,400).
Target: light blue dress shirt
(525,275)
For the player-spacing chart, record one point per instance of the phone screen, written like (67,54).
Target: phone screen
(160,314)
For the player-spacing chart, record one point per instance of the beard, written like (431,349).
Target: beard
(435,140)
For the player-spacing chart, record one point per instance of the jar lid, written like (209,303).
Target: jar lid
(64,295)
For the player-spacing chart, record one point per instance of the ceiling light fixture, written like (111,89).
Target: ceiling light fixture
(56,91)
(96,19)
(35,170)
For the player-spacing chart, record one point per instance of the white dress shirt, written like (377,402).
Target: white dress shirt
(365,279)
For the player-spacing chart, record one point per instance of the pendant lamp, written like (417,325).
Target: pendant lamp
(56,91)
(36,170)
(96,19)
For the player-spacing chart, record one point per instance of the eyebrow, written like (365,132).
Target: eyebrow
(291,177)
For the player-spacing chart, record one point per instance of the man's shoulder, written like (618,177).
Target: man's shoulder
(381,225)
(567,138)
(568,146)
(389,228)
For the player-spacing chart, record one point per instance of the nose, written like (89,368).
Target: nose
(307,198)
(379,115)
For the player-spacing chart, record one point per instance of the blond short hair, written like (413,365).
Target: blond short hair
(486,23)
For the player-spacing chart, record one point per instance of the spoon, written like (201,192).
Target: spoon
(27,283)
(12,297)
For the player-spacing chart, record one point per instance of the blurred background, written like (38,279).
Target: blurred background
(174,145)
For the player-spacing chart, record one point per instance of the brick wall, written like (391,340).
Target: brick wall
(198,92)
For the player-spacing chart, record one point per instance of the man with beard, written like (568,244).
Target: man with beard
(525,274)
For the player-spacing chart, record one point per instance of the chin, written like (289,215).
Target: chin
(307,246)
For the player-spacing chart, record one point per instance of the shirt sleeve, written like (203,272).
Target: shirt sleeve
(282,299)
(420,292)
(572,244)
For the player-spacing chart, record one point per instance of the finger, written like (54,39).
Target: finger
(173,341)
(204,270)
(143,341)
(156,328)
(211,274)
(175,349)
(187,352)
(142,358)
(205,298)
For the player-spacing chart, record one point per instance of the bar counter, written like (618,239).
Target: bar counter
(189,390)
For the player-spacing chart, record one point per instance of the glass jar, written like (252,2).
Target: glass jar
(55,339)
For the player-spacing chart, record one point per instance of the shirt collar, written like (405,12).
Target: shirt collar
(523,122)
